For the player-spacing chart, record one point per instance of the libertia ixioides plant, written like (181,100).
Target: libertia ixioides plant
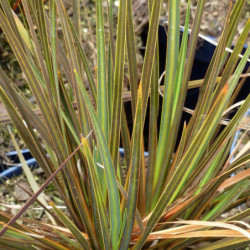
(173,199)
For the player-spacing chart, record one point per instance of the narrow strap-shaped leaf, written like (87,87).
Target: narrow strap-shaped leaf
(110,8)
(131,52)
(23,32)
(231,195)
(181,64)
(71,226)
(68,112)
(46,50)
(76,16)
(204,99)
(176,109)
(54,58)
(235,18)
(102,91)
(99,200)
(125,137)
(134,173)
(110,86)
(74,64)
(153,130)
(71,242)
(137,214)
(233,59)
(8,12)
(112,71)
(214,166)
(153,125)
(149,54)
(236,76)
(142,182)
(96,213)
(233,243)
(171,67)
(114,200)
(240,216)
(192,45)
(84,60)
(179,151)
(37,47)
(118,82)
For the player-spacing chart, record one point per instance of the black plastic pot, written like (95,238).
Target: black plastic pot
(204,52)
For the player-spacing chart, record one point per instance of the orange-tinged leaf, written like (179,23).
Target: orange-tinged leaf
(199,234)
(226,225)
(234,179)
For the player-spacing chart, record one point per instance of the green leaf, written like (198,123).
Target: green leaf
(153,124)
(84,61)
(114,200)
(233,59)
(181,64)
(149,54)
(73,244)
(205,101)
(73,64)
(229,197)
(131,52)
(99,200)
(71,226)
(118,83)
(167,106)
(227,243)
(134,173)
(46,50)
(177,89)
(102,100)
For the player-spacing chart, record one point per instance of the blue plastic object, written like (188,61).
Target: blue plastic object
(16,169)
(7,172)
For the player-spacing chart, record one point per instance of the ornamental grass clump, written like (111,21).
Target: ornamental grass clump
(176,197)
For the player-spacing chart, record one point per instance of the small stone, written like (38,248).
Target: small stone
(19,193)
(38,171)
